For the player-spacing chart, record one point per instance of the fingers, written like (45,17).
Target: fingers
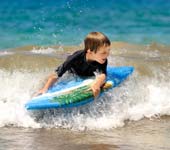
(40,92)
(96,91)
(37,94)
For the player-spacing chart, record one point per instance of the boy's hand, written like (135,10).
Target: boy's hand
(51,80)
(99,81)
(96,89)
(40,92)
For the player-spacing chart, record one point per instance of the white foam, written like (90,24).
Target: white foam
(2,53)
(43,50)
(136,98)
(47,50)
(16,88)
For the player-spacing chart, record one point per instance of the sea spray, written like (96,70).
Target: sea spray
(16,89)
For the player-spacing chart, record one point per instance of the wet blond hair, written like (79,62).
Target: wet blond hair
(95,40)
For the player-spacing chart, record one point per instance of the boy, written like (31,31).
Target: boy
(86,62)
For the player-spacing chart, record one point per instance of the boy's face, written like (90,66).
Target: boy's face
(101,55)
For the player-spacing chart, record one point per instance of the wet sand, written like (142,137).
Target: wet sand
(145,134)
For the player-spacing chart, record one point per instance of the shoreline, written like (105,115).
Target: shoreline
(114,45)
(143,134)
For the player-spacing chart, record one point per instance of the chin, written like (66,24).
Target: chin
(102,61)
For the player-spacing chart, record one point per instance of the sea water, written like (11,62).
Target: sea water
(67,22)
(36,37)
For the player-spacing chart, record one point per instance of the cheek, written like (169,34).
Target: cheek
(104,56)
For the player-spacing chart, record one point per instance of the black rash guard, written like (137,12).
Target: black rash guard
(77,64)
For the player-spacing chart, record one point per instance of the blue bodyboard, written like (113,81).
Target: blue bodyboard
(76,92)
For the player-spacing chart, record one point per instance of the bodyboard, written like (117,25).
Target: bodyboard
(77,92)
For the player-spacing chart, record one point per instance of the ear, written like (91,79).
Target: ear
(89,51)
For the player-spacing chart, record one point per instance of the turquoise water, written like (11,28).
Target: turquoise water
(66,22)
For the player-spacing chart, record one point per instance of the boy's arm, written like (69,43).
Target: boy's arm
(98,83)
(50,81)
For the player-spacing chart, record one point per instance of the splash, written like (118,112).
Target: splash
(15,89)
(144,95)
(133,100)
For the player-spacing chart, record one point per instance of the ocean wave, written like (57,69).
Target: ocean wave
(144,95)
(137,98)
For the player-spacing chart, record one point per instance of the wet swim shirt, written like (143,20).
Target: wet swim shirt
(77,64)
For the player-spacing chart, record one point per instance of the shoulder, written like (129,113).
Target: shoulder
(76,55)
